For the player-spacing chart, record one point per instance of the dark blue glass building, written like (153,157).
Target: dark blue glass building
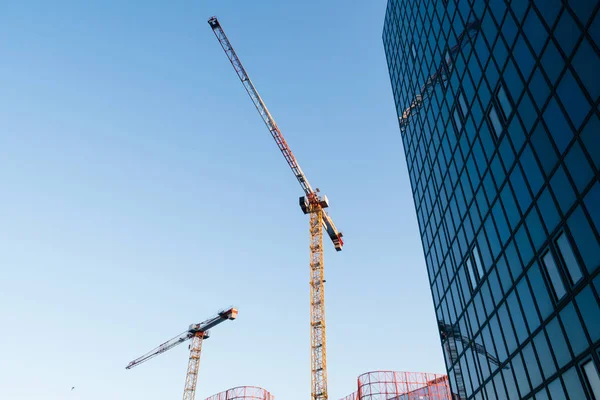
(498,104)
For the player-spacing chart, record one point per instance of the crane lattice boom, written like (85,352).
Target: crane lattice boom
(313,201)
(168,345)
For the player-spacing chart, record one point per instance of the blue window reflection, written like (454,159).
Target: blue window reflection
(579,168)
(584,239)
(544,353)
(554,275)
(495,121)
(574,100)
(588,306)
(573,329)
(568,258)
(562,189)
(558,342)
(591,200)
(573,384)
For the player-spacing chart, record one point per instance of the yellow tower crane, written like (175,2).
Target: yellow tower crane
(311,203)
(197,333)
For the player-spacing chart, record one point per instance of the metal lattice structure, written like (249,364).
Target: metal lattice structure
(318,336)
(311,203)
(197,333)
(191,377)
(243,392)
(393,385)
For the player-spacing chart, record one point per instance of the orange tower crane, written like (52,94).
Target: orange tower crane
(311,203)
(197,333)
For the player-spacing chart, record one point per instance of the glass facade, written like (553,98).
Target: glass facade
(498,105)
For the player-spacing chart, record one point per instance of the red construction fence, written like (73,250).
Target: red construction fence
(393,385)
(243,393)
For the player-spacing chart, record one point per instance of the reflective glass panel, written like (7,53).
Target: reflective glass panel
(558,343)
(584,239)
(554,274)
(573,384)
(573,329)
(545,355)
(591,374)
(590,312)
(568,257)
(495,120)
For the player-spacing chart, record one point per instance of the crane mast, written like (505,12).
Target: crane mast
(197,333)
(311,203)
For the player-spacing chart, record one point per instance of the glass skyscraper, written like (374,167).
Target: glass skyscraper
(498,107)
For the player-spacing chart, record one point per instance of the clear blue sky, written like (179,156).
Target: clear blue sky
(141,192)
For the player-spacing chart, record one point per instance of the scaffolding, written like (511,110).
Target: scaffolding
(393,385)
(242,393)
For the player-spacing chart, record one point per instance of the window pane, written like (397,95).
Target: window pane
(544,149)
(509,333)
(587,63)
(504,102)
(557,340)
(542,297)
(478,261)
(533,172)
(532,365)
(531,315)
(574,329)
(457,121)
(548,210)
(517,317)
(565,195)
(545,355)
(569,258)
(472,279)
(592,199)
(591,373)
(573,384)
(536,230)
(574,100)
(521,375)
(588,306)
(520,188)
(511,386)
(554,274)
(463,104)
(495,120)
(542,395)
(558,126)
(585,240)
(556,390)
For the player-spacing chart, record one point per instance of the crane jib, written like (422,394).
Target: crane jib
(262,109)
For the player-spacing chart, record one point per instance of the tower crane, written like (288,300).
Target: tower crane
(197,333)
(311,203)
